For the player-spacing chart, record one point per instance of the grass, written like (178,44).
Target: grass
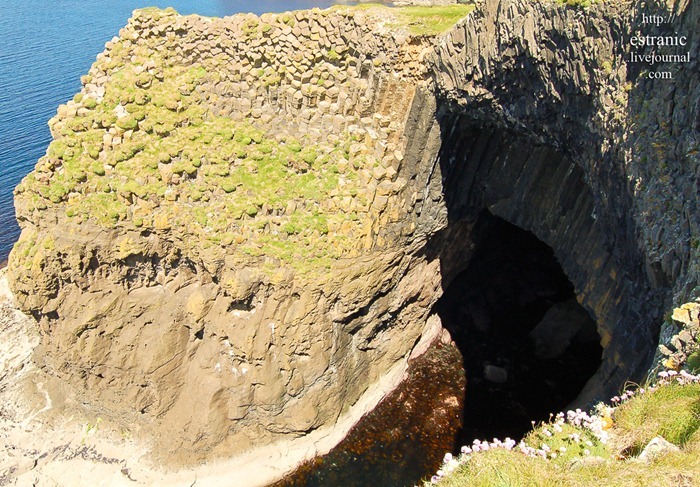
(419,21)
(432,20)
(577,3)
(501,468)
(671,411)
(178,168)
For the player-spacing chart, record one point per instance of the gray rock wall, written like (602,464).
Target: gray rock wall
(547,124)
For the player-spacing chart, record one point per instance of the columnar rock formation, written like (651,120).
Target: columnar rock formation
(546,123)
(214,325)
(243,223)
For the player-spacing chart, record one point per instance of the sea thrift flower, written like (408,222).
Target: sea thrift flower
(597,424)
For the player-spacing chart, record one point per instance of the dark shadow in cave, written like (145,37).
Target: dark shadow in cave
(528,347)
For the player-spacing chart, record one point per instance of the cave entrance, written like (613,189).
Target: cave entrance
(528,347)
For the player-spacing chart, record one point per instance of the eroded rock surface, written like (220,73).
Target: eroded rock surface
(547,124)
(243,223)
(220,244)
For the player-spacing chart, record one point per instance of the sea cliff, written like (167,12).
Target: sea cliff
(239,232)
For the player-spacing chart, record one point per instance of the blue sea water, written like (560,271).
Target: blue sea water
(44,49)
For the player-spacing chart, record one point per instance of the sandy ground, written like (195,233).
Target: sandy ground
(49,438)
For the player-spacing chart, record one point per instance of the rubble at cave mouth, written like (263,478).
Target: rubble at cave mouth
(528,346)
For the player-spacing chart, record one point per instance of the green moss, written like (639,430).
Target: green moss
(127,123)
(288,19)
(89,103)
(693,362)
(309,156)
(228,186)
(431,21)
(332,55)
(577,3)
(218,180)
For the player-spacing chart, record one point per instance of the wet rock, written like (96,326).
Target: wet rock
(562,324)
(494,374)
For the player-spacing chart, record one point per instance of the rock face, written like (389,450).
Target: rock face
(213,344)
(547,123)
(562,324)
(181,285)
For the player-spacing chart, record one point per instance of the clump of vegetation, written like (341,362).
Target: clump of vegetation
(577,3)
(432,21)
(420,21)
(672,412)
(147,154)
(578,449)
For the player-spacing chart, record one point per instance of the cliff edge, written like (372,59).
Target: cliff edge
(239,232)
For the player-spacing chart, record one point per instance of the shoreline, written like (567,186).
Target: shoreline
(259,467)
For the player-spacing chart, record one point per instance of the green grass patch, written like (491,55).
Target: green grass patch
(432,21)
(421,21)
(672,412)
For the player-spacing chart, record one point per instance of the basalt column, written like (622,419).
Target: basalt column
(535,188)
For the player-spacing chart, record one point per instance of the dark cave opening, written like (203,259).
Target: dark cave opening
(528,346)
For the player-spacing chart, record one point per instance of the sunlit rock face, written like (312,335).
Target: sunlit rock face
(242,226)
(220,244)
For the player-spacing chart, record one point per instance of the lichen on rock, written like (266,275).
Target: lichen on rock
(242,224)
(218,244)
